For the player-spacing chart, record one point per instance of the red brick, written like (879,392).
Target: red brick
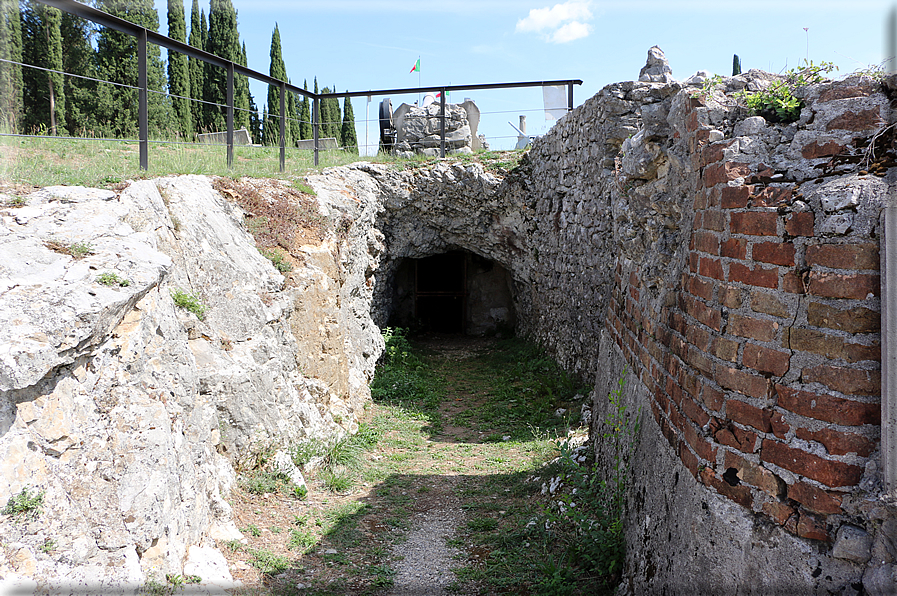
(712,398)
(800,224)
(793,283)
(856,121)
(691,462)
(702,448)
(844,256)
(815,149)
(709,267)
(749,415)
(714,152)
(852,320)
(693,262)
(754,276)
(809,526)
(734,248)
(857,286)
(768,304)
(754,223)
(668,432)
(837,442)
(759,329)
(697,337)
(772,196)
(741,381)
(689,383)
(701,288)
(706,242)
(695,412)
(756,475)
(730,296)
(714,220)
(766,360)
(691,122)
(780,428)
(829,473)
(703,313)
(828,408)
(724,172)
(737,438)
(777,253)
(814,499)
(700,361)
(735,197)
(740,494)
(779,512)
(725,349)
(843,92)
(831,346)
(850,381)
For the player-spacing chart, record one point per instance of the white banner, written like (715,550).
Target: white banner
(555,99)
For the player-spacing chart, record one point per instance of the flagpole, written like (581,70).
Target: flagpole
(418,80)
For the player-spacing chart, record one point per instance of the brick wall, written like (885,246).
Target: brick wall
(763,365)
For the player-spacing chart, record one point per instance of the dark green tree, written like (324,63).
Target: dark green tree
(327,117)
(117,62)
(293,114)
(304,114)
(348,137)
(43,91)
(224,41)
(178,72)
(276,70)
(198,33)
(10,74)
(78,59)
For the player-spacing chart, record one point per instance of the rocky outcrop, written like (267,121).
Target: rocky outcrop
(126,412)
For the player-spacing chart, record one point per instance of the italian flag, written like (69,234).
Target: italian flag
(415,67)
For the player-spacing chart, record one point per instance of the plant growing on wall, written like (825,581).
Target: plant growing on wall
(777,102)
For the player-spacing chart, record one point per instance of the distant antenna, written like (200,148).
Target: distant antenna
(736,65)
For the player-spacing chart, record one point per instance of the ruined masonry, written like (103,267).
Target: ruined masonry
(726,267)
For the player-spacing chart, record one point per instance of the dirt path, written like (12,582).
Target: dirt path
(429,506)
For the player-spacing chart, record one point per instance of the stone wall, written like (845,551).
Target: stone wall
(727,267)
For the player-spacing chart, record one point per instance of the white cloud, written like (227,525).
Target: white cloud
(571,31)
(560,23)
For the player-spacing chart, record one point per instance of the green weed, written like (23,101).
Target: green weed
(189,302)
(25,505)
(277,259)
(109,278)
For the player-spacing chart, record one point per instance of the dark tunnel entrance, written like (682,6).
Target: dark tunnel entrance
(454,292)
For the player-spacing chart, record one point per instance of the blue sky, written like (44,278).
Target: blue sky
(359,45)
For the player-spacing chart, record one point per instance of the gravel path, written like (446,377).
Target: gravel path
(425,569)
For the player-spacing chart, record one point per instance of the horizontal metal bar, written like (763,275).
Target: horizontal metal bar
(410,90)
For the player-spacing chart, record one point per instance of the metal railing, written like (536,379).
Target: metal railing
(145,36)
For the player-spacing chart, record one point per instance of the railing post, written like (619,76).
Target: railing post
(142,119)
(315,117)
(442,123)
(569,97)
(283,126)
(230,115)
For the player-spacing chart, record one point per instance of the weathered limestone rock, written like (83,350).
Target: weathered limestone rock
(657,68)
(119,405)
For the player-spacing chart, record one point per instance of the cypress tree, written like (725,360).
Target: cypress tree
(43,92)
(255,122)
(330,116)
(305,131)
(10,74)
(52,23)
(276,70)
(293,114)
(348,137)
(178,71)
(224,41)
(265,130)
(194,65)
(78,59)
(117,62)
